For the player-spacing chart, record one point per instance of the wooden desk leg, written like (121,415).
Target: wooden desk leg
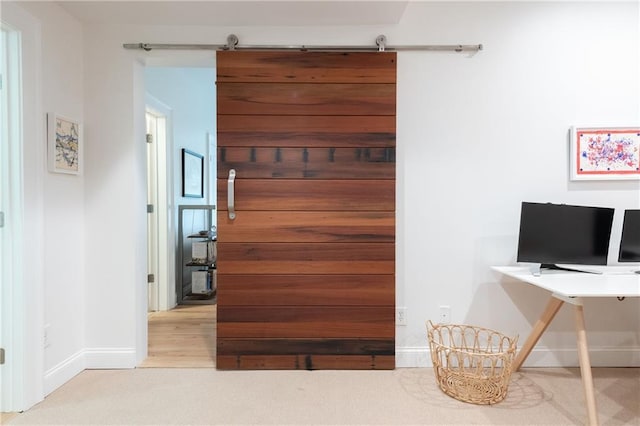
(553,306)
(585,366)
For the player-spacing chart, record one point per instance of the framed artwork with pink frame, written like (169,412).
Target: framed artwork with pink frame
(605,153)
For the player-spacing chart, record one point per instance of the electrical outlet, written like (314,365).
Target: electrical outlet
(445,314)
(401,316)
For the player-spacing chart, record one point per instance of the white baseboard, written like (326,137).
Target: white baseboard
(63,372)
(406,357)
(111,358)
(420,356)
(93,358)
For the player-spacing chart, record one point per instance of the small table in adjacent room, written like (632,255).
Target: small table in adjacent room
(572,287)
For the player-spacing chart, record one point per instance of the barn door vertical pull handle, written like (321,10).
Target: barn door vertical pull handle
(230,194)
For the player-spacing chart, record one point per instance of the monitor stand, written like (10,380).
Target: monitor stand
(554,267)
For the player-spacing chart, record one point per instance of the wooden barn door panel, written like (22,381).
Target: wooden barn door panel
(307,99)
(310,163)
(310,226)
(306,131)
(307,195)
(306,271)
(307,290)
(308,67)
(306,258)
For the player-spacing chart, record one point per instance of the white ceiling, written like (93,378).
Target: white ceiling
(238,12)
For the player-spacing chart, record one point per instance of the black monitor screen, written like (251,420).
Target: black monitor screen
(630,240)
(558,233)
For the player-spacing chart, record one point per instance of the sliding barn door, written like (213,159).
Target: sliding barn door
(306,269)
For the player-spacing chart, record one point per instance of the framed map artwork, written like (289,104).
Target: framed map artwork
(64,144)
(605,153)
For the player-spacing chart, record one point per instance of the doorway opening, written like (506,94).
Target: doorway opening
(180,114)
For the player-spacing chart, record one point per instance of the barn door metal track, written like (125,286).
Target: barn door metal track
(380,46)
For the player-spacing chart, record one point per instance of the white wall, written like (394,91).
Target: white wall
(115,203)
(61,197)
(477,134)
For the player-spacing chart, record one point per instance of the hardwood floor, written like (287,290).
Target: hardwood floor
(184,337)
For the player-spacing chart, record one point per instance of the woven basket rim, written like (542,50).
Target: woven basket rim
(432,326)
(510,350)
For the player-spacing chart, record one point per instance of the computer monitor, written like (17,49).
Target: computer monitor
(552,234)
(630,239)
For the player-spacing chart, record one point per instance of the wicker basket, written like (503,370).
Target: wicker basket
(471,364)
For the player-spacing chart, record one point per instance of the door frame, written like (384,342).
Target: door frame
(23,372)
(165,231)
(152,122)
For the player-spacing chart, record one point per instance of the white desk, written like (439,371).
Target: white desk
(571,287)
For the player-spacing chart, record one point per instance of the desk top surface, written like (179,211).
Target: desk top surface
(577,284)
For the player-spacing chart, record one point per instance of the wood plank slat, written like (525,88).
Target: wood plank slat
(309,163)
(310,329)
(283,290)
(308,226)
(305,258)
(306,99)
(338,267)
(305,314)
(306,322)
(287,66)
(359,346)
(305,362)
(306,252)
(306,131)
(307,194)
(306,124)
(310,140)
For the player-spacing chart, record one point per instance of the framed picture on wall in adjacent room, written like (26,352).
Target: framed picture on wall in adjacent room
(192,174)
(64,145)
(605,153)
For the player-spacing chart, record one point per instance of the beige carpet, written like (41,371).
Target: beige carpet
(404,396)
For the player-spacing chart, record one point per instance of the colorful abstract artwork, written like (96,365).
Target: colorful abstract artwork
(605,153)
(63,144)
